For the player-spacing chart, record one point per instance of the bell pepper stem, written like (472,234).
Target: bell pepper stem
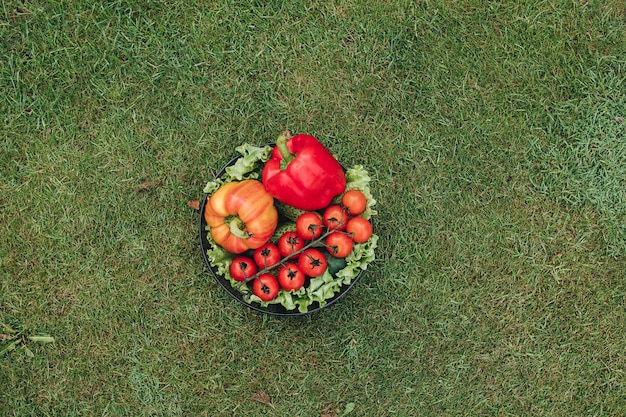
(237,228)
(281,144)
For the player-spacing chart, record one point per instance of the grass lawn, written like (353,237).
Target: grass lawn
(495,135)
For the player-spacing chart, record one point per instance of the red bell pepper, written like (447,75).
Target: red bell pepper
(308,180)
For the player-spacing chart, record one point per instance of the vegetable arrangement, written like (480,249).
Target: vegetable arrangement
(288,225)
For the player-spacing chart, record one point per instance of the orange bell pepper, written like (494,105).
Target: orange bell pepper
(241,215)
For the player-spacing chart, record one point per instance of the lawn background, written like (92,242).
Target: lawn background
(494,135)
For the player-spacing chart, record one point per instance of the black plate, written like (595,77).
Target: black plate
(273,309)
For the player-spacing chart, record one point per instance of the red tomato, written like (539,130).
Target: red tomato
(312,262)
(291,277)
(335,218)
(266,255)
(360,229)
(265,286)
(309,226)
(289,243)
(339,244)
(354,201)
(242,267)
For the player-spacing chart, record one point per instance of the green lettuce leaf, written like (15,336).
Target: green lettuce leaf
(248,166)
(362,255)
(220,258)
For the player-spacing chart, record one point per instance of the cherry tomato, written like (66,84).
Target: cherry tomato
(242,267)
(339,244)
(289,243)
(265,286)
(335,218)
(291,277)
(312,262)
(266,255)
(309,225)
(360,229)
(354,201)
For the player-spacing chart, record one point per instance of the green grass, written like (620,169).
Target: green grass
(495,136)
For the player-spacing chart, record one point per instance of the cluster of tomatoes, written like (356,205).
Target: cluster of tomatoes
(297,254)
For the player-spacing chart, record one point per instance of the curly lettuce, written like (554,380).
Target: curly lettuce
(248,166)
